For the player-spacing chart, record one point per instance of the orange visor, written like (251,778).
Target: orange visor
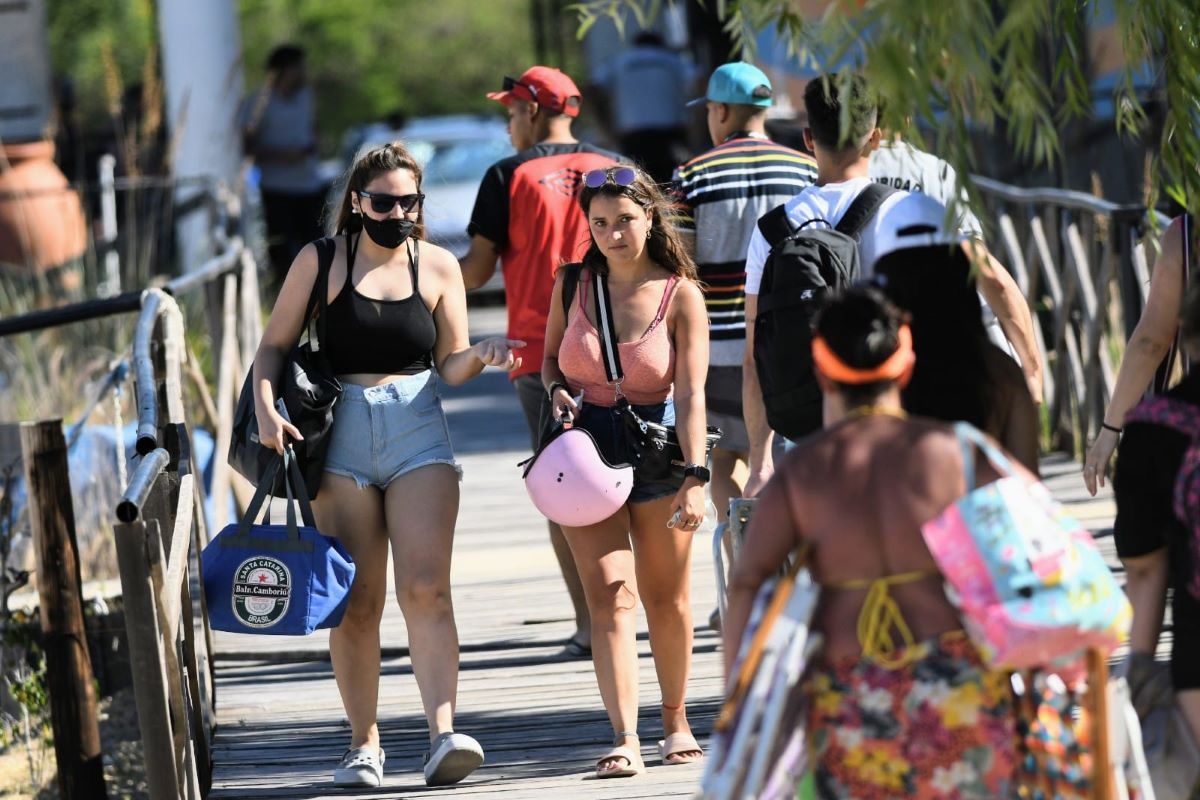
(891,369)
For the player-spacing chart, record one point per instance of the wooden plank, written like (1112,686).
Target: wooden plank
(1016,260)
(177,559)
(68,667)
(173,668)
(10,447)
(540,719)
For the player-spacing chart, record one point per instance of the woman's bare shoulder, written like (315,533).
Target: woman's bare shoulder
(689,296)
(438,262)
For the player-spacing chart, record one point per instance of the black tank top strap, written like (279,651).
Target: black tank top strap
(414,259)
(351,255)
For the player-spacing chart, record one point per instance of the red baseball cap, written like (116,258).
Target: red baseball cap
(545,86)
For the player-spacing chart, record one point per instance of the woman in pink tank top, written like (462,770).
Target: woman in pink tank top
(662,332)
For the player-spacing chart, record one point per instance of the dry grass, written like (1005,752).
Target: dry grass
(124,771)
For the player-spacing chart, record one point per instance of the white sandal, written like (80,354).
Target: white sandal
(361,766)
(452,757)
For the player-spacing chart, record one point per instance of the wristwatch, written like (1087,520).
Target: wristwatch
(698,472)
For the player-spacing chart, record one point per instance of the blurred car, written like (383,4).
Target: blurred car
(454,151)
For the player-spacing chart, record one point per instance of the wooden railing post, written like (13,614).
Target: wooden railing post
(68,666)
(227,384)
(147,659)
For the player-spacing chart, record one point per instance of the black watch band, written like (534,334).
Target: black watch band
(698,472)
(554,386)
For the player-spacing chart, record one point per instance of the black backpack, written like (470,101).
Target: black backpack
(804,266)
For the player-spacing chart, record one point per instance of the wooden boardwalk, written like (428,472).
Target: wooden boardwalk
(539,718)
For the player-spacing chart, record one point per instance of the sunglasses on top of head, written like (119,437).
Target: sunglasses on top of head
(382,203)
(618,176)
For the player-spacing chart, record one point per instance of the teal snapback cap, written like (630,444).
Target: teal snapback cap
(738,83)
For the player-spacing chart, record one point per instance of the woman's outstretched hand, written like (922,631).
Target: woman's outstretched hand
(498,352)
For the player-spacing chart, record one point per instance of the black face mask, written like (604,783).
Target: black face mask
(390,232)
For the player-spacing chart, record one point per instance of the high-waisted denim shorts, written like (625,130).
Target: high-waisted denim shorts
(382,432)
(606,427)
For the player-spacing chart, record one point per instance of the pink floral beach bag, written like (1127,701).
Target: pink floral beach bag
(1033,589)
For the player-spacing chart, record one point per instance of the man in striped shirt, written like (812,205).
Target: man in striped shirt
(719,196)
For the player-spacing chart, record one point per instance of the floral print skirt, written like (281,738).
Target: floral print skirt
(940,726)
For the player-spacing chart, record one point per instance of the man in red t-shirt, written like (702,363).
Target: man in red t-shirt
(526,215)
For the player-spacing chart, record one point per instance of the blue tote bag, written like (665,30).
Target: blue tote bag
(283,580)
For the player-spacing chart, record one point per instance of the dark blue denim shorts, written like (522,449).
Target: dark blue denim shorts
(605,426)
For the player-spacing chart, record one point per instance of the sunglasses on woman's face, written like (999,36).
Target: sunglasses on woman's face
(619,176)
(383,203)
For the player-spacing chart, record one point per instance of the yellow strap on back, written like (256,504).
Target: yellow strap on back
(880,615)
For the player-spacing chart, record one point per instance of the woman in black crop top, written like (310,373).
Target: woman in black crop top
(396,323)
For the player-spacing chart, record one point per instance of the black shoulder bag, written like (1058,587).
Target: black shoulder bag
(309,391)
(651,447)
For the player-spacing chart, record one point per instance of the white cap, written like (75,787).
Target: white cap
(915,220)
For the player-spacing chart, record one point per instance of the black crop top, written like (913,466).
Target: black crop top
(386,337)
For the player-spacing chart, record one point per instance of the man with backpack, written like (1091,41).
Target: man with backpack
(838,218)
(719,195)
(821,241)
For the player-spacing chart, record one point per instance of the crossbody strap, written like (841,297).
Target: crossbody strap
(609,351)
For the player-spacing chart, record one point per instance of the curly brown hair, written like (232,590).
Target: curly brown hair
(665,247)
(369,166)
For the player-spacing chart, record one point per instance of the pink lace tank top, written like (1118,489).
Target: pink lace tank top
(648,363)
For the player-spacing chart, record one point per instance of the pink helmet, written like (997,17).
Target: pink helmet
(571,482)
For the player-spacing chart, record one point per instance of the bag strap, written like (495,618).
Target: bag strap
(265,483)
(609,350)
(775,225)
(863,208)
(968,440)
(296,491)
(318,301)
(571,273)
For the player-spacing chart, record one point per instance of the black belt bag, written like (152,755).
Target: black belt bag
(651,447)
